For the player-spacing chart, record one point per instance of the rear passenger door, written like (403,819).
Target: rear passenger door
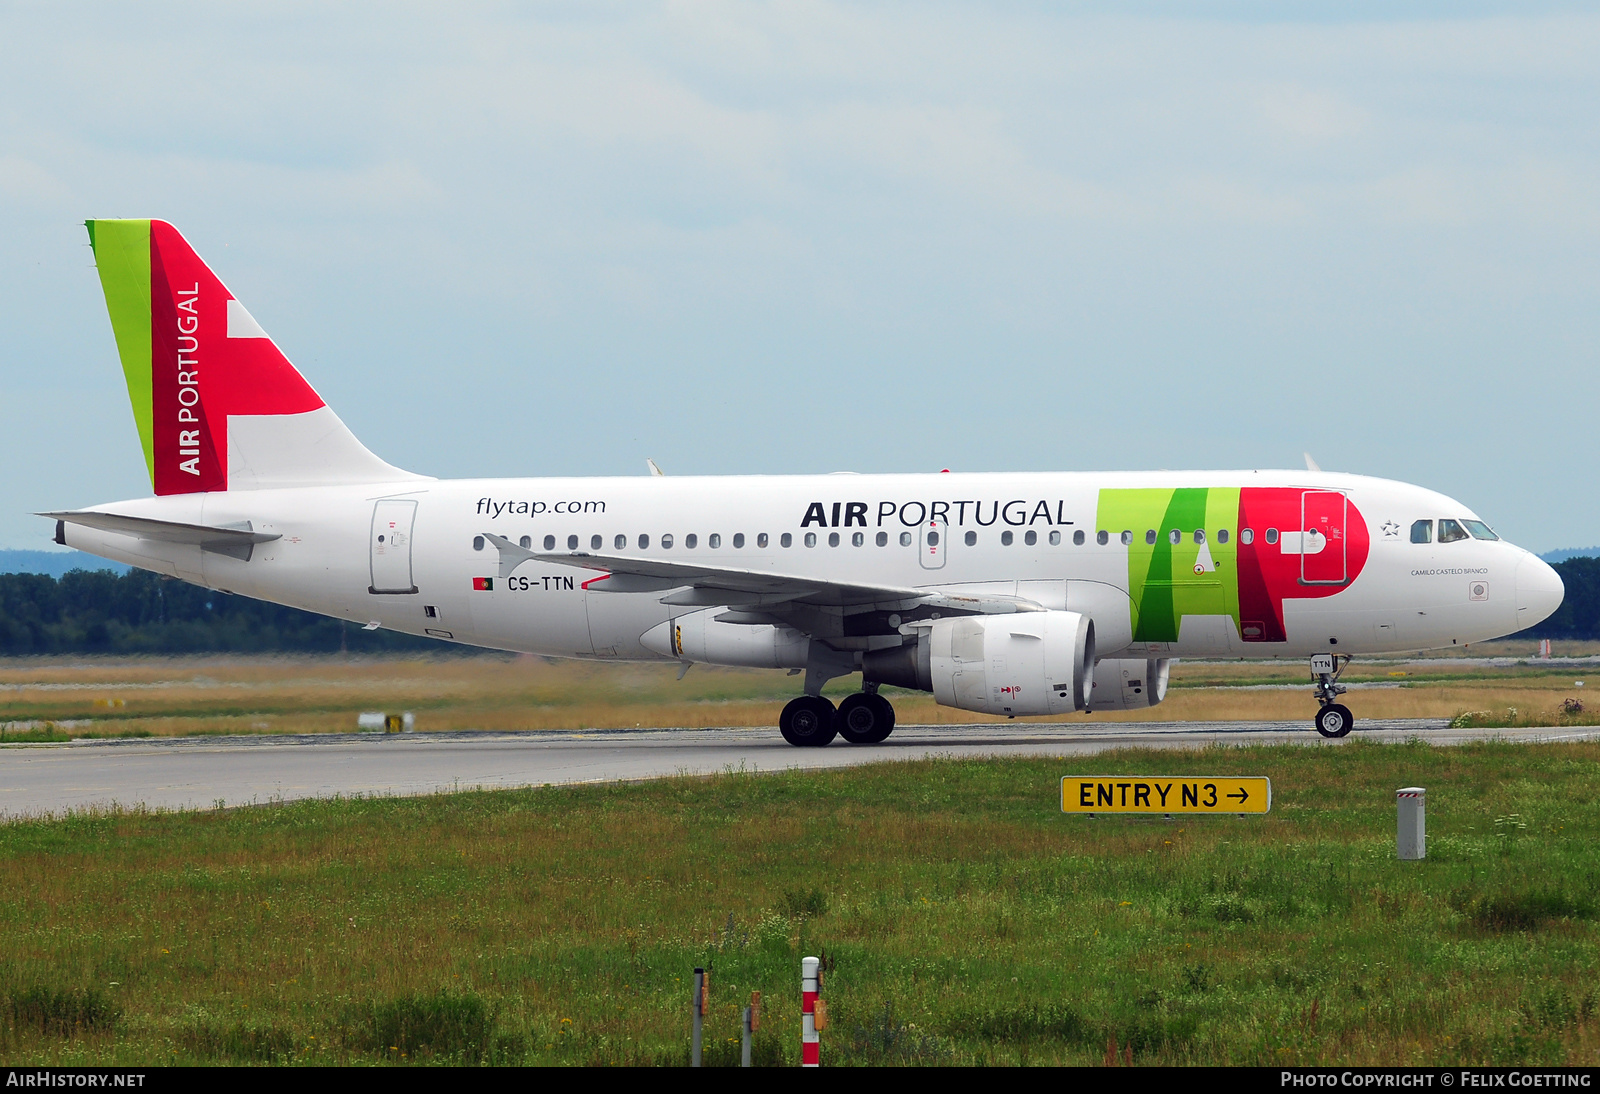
(389,546)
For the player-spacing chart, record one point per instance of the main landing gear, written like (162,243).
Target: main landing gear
(808,721)
(865,718)
(1333,719)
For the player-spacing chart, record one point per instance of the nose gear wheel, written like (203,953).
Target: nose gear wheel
(1334,720)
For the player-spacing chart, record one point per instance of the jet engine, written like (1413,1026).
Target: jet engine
(1130,683)
(1025,663)
(699,637)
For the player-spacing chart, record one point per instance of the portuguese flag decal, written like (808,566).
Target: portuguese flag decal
(482,584)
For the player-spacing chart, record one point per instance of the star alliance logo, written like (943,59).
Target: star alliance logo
(1390,529)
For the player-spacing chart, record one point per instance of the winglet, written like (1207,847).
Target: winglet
(511,555)
(1311,464)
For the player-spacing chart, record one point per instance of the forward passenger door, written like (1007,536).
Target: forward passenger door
(1322,543)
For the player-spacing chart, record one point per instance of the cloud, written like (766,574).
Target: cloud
(1316,116)
(24,182)
(879,229)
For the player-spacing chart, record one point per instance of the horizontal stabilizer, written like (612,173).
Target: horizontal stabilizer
(237,540)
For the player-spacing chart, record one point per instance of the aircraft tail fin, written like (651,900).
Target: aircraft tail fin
(217,404)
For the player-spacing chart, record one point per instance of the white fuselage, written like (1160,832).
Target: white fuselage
(1406,596)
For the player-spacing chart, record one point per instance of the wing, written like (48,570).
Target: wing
(693,583)
(699,584)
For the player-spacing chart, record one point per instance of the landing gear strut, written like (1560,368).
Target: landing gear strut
(1333,719)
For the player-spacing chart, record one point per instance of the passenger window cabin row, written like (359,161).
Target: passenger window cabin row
(1422,531)
(1175,536)
(1008,537)
(762,541)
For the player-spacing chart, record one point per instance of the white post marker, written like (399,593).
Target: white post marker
(810,984)
(752,1020)
(1411,826)
(699,1014)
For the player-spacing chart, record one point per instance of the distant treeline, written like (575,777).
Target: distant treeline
(139,612)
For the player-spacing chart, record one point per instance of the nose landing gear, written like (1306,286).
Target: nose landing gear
(1333,719)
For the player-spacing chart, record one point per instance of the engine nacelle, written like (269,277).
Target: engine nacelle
(699,637)
(1026,663)
(1130,683)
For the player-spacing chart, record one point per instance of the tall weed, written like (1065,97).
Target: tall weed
(445,1025)
(63,1012)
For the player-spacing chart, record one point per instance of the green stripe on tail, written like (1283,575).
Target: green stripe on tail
(122,253)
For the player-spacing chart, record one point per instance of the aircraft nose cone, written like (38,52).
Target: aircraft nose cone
(1539,592)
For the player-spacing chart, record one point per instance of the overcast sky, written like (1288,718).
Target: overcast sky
(796,237)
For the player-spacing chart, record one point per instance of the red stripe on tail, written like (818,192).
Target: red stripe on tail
(200,374)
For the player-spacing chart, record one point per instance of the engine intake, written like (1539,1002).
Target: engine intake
(1025,663)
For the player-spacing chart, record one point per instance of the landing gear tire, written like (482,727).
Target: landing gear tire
(807,722)
(1334,720)
(865,719)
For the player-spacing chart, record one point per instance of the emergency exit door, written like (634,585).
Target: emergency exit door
(392,519)
(935,543)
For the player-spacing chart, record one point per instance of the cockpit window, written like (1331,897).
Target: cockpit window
(1450,530)
(1422,531)
(1479,529)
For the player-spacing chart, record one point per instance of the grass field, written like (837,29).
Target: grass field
(965,919)
(51,698)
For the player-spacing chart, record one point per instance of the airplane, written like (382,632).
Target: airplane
(1017,595)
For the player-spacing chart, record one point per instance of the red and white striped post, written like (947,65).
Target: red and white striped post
(810,984)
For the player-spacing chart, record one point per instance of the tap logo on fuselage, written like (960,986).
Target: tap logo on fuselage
(1231,551)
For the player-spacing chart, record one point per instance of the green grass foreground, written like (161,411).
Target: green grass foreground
(965,919)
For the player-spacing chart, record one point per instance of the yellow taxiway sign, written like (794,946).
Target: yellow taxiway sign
(1165,794)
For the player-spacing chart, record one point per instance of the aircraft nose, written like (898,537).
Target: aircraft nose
(1539,592)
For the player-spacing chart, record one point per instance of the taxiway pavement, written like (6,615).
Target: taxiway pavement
(205,773)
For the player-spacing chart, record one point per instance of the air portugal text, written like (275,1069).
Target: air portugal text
(1164,794)
(188,305)
(856,514)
